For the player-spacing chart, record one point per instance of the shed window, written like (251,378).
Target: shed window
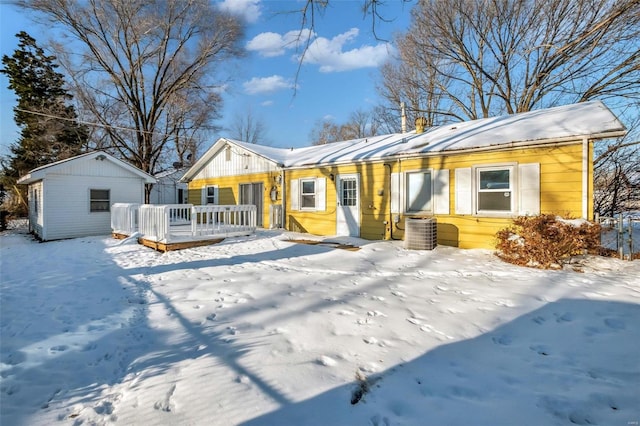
(35,201)
(495,189)
(419,192)
(99,200)
(308,194)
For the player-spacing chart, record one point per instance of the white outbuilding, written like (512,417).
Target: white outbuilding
(168,189)
(73,197)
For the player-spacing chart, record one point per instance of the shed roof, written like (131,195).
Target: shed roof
(592,120)
(40,172)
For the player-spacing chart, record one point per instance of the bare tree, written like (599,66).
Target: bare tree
(361,124)
(479,59)
(136,63)
(247,127)
(324,132)
(616,170)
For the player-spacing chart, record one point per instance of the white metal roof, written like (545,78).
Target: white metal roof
(40,172)
(592,120)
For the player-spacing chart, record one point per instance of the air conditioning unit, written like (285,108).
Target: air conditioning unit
(420,233)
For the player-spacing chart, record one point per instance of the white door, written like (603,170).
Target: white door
(348,208)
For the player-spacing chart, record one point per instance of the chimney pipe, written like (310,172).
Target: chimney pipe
(403,118)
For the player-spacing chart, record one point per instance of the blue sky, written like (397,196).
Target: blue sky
(337,77)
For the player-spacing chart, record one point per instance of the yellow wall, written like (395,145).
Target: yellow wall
(373,207)
(229,189)
(560,193)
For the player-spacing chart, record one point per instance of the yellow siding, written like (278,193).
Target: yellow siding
(313,222)
(560,193)
(229,190)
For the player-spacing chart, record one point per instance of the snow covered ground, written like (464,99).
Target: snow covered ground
(263,331)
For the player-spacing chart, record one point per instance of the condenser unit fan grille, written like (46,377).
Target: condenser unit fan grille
(420,233)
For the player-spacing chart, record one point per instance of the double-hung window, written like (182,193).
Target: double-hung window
(99,200)
(495,189)
(308,193)
(209,195)
(419,192)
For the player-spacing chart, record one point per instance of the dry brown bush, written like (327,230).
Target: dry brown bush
(546,241)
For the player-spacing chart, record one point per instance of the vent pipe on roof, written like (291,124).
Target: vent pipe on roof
(403,118)
(421,122)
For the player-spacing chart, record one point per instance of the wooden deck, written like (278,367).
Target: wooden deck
(165,247)
(174,227)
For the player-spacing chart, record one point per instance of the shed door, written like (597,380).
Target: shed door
(348,205)
(252,193)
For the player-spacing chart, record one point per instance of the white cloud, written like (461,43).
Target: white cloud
(249,9)
(273,44)
(266,103)
(329,54)
(261,85)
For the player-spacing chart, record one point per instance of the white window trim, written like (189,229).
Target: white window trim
(315,194)
(295,194)
(36,201)
(215,195)
(439,192)
(405,197)
(108,200)
(513,189)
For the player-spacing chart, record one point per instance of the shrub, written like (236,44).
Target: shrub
(546,241)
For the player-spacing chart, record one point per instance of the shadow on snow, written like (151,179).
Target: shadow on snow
(569,362)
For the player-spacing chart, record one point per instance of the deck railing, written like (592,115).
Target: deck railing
(185,222)
(124,218)
(223,220)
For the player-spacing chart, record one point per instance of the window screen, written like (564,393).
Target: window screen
(495,190)
(99,200)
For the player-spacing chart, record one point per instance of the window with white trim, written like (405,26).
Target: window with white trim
(99,200)
(419,191)
(209,195)
(495,189)
(308,193)
(36,201)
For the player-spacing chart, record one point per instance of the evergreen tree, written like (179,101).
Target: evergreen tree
(49,128)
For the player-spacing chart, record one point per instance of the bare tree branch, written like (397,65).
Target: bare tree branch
(136,63)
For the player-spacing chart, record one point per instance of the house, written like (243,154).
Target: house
(168,188)
(73,197)
(472,177)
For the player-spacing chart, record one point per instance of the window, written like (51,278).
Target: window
(419,193)
(99,200)
(349,192)
(210,195)
(495,189)
(308,194)
(35,201)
